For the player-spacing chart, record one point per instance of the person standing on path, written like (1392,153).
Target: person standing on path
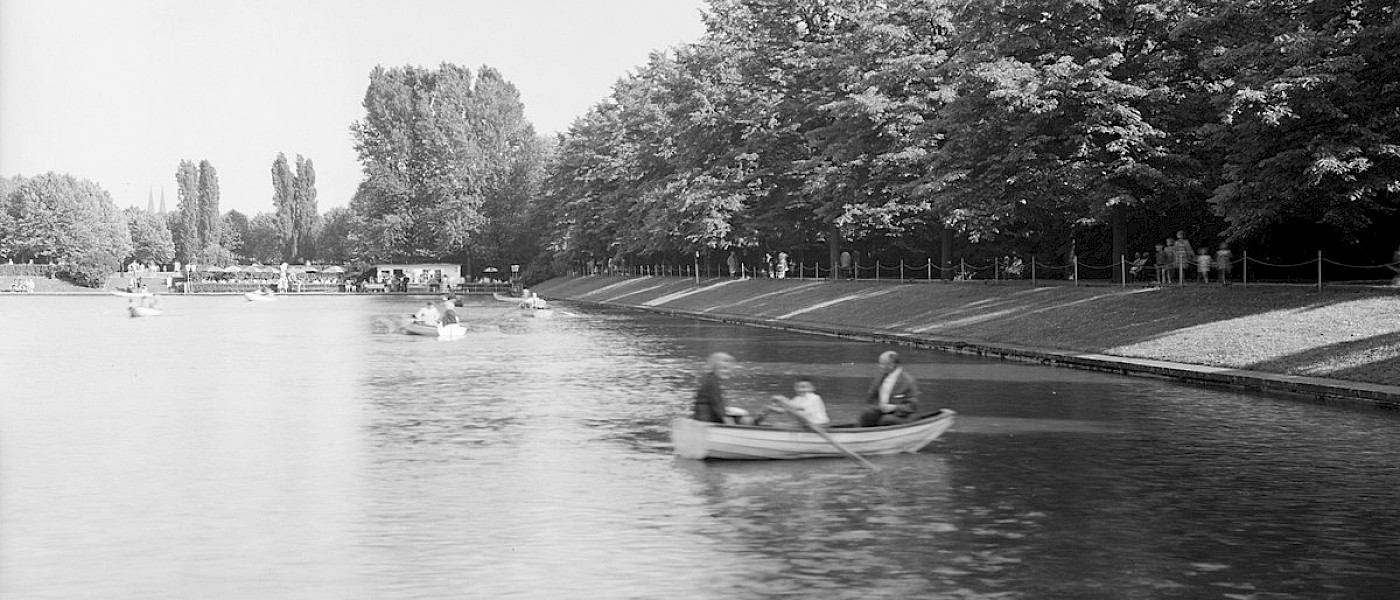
(1224,262)
(1183,252)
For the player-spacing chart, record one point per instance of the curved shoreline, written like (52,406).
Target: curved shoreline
(822,307)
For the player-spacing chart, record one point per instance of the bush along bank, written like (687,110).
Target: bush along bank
(1337,345)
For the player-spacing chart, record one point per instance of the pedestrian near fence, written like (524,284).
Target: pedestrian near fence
(1224,263)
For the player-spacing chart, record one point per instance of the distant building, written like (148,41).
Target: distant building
(422,273)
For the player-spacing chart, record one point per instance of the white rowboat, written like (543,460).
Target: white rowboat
(701,440)
(451,331)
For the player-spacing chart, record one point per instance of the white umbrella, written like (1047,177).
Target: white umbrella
(335,269)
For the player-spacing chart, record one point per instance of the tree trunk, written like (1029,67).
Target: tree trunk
(945,254)
(1120,239)
(833,243)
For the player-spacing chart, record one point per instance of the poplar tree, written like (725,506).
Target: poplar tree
(208,221)
(186,233)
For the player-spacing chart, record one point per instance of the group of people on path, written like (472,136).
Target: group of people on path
(774,265)
(893,398)
(1176,261)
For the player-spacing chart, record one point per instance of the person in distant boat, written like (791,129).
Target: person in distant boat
(804,407)
(709,398)
(428,314)
(448,310)
(893,392)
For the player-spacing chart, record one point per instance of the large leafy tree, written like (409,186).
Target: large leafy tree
(263,240)
(59,218)
(435,145)
(1305,120)
(151,241)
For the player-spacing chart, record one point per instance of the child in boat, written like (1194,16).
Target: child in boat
(805,405)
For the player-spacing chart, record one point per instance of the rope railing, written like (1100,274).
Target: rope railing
(1012,268)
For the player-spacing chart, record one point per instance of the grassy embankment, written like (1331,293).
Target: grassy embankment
(1350,334)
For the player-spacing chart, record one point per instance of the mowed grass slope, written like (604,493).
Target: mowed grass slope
(1350,334)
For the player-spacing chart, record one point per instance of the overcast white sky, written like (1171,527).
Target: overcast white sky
(119,91)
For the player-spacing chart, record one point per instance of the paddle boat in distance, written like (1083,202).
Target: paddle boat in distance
(131,295)
(704,440)
(450,331)
(260,296)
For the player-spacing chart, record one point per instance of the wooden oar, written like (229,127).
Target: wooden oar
(802,416)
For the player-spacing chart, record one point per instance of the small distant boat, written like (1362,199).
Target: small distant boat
(505,297)
(538,313)
(701,440)
(144,311)
(126,294)
(260,296)
(450,331)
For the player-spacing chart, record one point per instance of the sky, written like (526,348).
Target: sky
(120,91)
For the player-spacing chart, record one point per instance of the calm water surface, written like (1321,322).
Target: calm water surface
(306,449)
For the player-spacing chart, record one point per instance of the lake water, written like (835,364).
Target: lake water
(305,448)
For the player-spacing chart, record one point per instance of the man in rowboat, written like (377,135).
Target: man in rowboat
(894,393)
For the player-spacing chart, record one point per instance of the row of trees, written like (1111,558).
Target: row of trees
(1021,126)
(60,219)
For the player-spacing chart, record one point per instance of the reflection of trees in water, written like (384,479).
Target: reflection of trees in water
(830,526)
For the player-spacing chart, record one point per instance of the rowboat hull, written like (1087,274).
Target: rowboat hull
(144,311)
(450,331)
(257,297)
(124,294)
(538,313)
(702,440)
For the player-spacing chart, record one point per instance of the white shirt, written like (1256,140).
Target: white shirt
(812,407)
(887,386)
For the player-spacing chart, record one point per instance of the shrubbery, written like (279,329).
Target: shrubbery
(90,268)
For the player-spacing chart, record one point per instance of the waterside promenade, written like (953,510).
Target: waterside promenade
(1340,346)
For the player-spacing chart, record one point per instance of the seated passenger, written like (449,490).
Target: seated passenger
(804,407)
(428,314)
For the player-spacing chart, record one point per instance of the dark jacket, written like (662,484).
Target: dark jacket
(709,400)
(904,395)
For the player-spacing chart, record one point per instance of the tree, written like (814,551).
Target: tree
(434,146)
(284,200)
(333,236)
(305,217)
(208,222)
(1304,125)
(233,229)
(61,219)
(263,241)
(186,233)
(151,241)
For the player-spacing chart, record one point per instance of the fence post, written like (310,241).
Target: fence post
(962,268)
(996,269)
(1319,270)
(877,269)
(1245,261)
(1033,271)
(1123,269)
(930,269)
(901,269)
(1075,259)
